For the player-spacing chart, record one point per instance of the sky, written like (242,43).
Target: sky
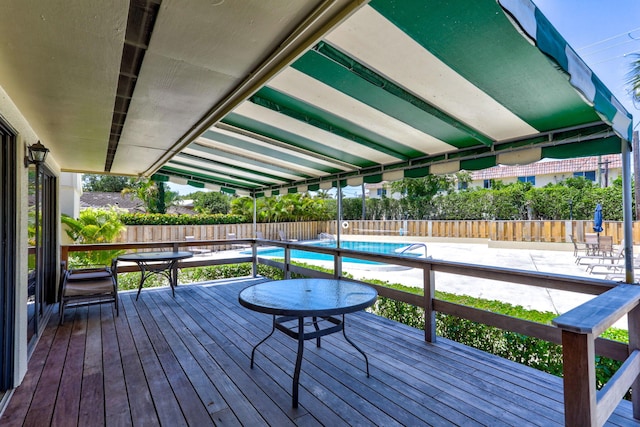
(603,32)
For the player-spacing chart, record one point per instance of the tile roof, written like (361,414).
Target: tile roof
(101,199)
(545,167)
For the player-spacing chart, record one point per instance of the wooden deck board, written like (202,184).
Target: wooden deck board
(186,361)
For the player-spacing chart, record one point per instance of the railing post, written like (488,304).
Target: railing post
(429,285)
(337,266)
(287,262)
(254,254)
(579,372)
(64,255)
(633,319)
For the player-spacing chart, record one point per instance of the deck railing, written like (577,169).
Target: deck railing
(577,331)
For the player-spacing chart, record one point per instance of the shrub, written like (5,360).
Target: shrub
(179,219)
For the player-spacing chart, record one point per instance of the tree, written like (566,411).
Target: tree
(153,194)
(634,79)
(106,183)
(94,226)
(418,193)
(211,202)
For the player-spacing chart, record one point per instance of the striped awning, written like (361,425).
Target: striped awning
(404,88)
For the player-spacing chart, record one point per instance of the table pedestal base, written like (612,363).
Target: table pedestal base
(164,268)
(298,332)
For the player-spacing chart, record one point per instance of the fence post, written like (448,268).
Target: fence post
(579,372)
(429,285)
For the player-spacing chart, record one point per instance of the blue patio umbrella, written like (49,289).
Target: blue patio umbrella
(597,219)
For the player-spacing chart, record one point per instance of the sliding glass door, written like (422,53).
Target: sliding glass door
(42,249)
(8,247)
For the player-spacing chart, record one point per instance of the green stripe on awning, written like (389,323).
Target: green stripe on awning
(344,80)
(610,145)
(417,172)
(478,164)
(259,150)
(295,140)
(272,99)
(372,179)
(480,45)
(228,190)
(292,190)
(314,187)
(206,178)
(196,184)
(159,178)
(275,192)
(260,194)
(399,92)
(176,163)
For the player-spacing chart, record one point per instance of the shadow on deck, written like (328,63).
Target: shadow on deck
(185,361)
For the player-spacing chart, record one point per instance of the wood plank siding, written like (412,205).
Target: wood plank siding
(185,361)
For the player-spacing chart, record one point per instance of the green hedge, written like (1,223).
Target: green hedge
(180,219)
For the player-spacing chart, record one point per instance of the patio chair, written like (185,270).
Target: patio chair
(232,236)
(578,247)
(199,250)
(608,262)
(89,286)
(284,238)
(603,249)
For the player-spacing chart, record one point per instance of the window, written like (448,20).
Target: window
(486,183)
(381,192)
(529,179)
(590,175)
(463,185)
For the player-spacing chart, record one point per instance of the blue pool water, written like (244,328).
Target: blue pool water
(375,247)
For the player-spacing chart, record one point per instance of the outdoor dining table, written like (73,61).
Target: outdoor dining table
(163,263)
(321,300)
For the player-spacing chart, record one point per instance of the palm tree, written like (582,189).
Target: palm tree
(634,79)
(94,226)
(153,194)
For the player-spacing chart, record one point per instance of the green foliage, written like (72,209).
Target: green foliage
(634,78)
(419,193)
(106,183)
(211,202)
(93,226)
(154,195)
(574,198)
(179,219)
(284,208)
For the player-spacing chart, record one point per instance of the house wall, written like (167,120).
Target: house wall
(70,192)
(12,117)
(542,180)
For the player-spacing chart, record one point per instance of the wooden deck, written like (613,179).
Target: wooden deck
(185,361)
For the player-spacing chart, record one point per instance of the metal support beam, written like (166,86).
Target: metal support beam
(627,213)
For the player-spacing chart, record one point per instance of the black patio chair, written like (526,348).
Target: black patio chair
(89,286)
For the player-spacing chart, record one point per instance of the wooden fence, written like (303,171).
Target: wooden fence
(508,231)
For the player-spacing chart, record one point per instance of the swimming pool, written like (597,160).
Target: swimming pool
(387,248)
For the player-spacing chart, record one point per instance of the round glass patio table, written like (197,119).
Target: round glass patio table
(163,263)
(291,301)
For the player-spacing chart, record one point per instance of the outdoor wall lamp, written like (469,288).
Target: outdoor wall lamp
(36,154)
